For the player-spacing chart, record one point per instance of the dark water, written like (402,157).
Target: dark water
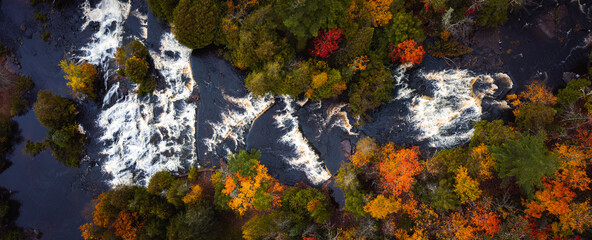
(55,198)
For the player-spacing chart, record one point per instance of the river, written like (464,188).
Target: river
(130,137)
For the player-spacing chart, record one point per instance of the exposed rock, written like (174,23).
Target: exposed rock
(23,27)
(568,76)
(194,97)
(548,22)
(346,148)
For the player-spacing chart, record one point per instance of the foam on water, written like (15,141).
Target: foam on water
(445,118)
(306,159)
(110,16)
(143,22)
(338,116)
(141,135)
(234,124)
(145,135)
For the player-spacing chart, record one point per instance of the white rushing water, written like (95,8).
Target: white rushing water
(110,15)
(306,159)
(445,118)
(141,135)
(145,135)
(235,124)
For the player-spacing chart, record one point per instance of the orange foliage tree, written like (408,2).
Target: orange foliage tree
(398,167)
(535,93)
(127,225)
(246,184)
(407,52)
(486,221)
(365,150)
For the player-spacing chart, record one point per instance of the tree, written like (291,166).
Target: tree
(494,13)
(245,185)
(527,160)
(575,90)
(53,111)
(407,52)
(81,77)
(492,133)
(132,49)
(372,88)
(536,93)
(309,203)
(305,19)
(466,188)
(397,168)
(380,11)
(485,220)
(326,43)
(535,116)
(196,22)
(127,225)
(256,43)
(160,181)
(198,222)
(365,151)
(163,8)
(137,71)
(356,42)
(404,26)
(381,206)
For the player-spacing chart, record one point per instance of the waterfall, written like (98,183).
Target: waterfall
(141,135)
(306,159)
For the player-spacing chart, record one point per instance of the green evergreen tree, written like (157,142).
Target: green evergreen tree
(527,159)
(196,22)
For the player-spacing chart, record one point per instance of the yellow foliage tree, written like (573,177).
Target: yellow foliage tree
(465,187)
(194,195)
(381,206)
(481,157)
(81,77)
(380,11)
(535,93)
(578,219)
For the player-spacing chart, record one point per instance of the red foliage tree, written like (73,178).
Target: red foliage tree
(326,43)
(407,51)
